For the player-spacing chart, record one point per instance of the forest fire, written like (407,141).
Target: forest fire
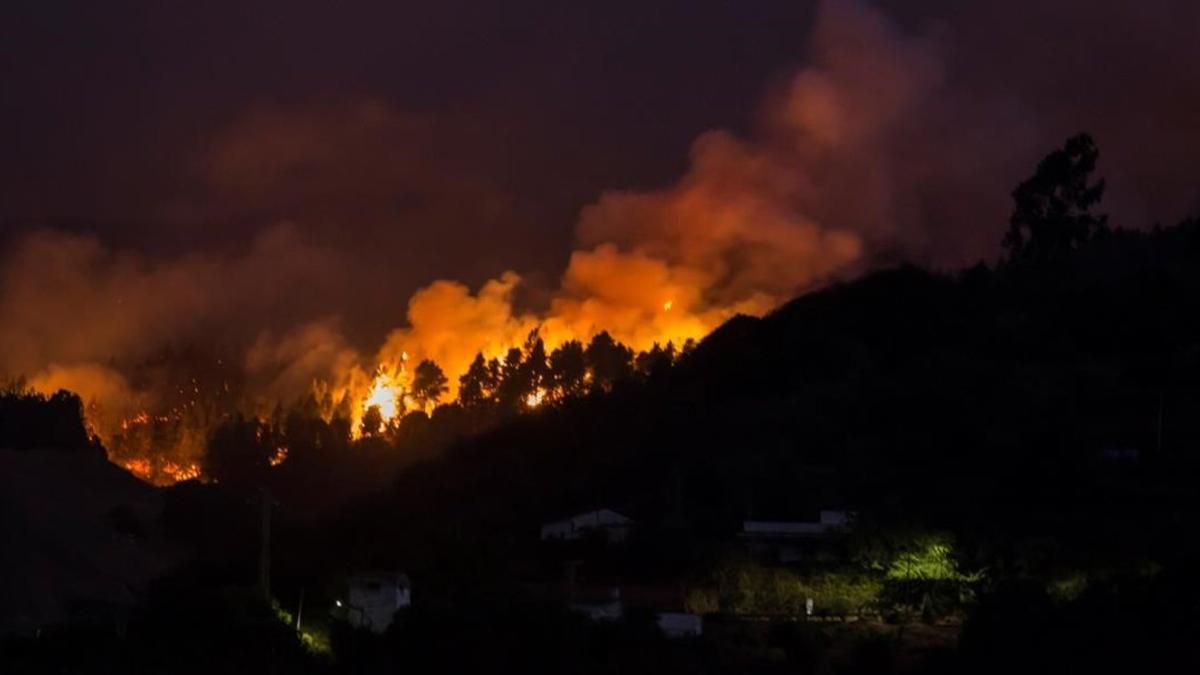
(160,472)
(535,399)
(386,394)
(742,229)
(514,372)
(470,349)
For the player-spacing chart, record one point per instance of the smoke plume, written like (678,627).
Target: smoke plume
(878,148)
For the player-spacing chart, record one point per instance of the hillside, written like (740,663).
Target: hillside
(989,402)
(81,539)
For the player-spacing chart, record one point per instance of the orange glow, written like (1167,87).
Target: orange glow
(535,399)
(164,473)
(139,467)
(140,418)
(385,394)
(179,473)
(280,456)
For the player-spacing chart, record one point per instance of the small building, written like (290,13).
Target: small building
(614,526)
(795,541)
(373,598)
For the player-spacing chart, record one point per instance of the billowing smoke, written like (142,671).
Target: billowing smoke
(868,153)
(136,336)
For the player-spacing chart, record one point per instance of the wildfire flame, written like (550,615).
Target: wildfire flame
(535,399)
(178,472)
(164,473)
(386,394)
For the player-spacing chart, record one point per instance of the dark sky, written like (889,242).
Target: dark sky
(109,107)
(410,141)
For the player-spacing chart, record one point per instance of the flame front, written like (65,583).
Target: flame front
(386,395)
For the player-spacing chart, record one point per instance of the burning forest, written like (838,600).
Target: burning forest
(746,227)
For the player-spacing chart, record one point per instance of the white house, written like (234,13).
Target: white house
(615,525)
(829,522)
(794,541)
(373,598)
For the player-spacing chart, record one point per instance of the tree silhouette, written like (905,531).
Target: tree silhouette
(29,420)
(655,361)
(239,451)
(535,369)
(1051,215)
(372,422)
(495,374)
(310,439)
(515,383)
(342,414)
(568,370)
(429,383)
(477,385)
(608,360)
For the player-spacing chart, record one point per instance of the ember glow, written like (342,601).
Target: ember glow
(159,471)
(536,398)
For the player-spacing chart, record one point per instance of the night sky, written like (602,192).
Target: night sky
(398,142)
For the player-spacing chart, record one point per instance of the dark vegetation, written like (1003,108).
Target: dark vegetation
(1021,443)
(32,421)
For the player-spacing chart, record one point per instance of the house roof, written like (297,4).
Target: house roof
(400,579)
(830,522)
(594,518)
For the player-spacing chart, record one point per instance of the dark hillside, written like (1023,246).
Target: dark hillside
(989,402)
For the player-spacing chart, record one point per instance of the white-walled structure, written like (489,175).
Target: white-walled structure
(373,598)
(613,524)
(797,541)
(829,522)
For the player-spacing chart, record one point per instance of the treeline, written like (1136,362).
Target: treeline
(33,421)
(314,441)
(528,376)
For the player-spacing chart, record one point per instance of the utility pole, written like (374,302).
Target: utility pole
(300,610)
